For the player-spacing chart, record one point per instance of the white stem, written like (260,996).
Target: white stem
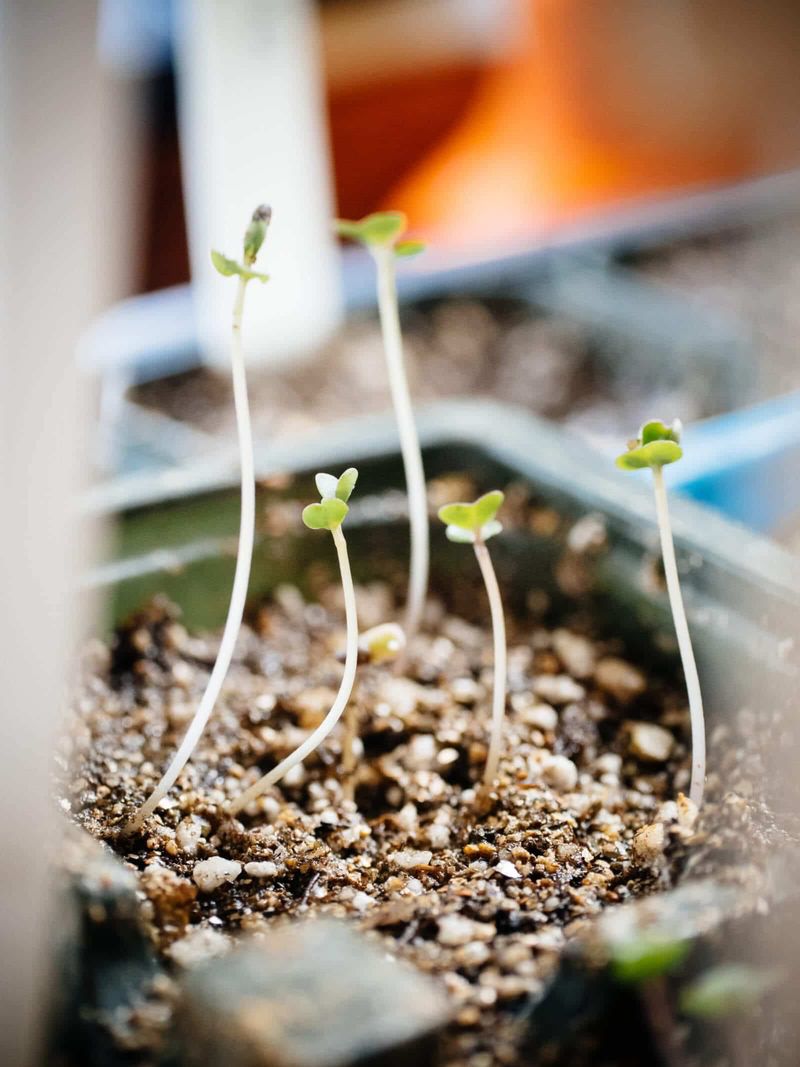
(409,441)
(684,641)
(340,703)
(500,670)
(240,579)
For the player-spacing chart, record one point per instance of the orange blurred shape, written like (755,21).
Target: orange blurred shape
(605,101)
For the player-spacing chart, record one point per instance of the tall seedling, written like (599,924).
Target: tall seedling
(657,445)
(380,234)
(243,272)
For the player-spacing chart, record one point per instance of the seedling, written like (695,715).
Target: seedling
(657,445)
(253,240)
(380,234)
(474,524)
(328,514)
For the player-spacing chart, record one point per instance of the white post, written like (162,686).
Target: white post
(252,131)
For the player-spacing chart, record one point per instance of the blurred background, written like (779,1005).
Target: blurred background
(607,188)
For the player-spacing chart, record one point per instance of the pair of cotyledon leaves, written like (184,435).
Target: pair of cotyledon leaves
(380,230)
(332,508)
(468,523)
(656,445)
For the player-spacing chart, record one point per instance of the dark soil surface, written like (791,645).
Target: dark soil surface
(481,894)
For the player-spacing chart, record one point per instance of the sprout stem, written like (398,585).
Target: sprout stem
(340,703)
(240,580)
(409,441)
(684,641)
(500,670)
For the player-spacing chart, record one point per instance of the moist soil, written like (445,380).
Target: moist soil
(481,891)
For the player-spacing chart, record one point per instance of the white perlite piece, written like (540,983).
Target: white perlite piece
(188,835)
(410,858)
(507,869)
(261,869)
(210,874)
(438,836)
(650,742)
(560,773)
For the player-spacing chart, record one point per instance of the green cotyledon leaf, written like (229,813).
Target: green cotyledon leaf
(326,515)
(379,228)
(346,484)
(657,445)
(229,267)
(469,522)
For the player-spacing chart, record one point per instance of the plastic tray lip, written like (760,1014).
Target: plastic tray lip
(547,454)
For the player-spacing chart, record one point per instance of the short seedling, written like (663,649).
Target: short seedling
(328,514)
(474,524)
(253,240)
(380,234)
(657,445)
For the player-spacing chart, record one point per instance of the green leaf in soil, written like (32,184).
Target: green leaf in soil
(647,956)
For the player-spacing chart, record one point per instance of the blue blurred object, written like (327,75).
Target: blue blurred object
(745,463)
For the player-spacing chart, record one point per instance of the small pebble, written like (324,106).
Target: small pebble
(648,741)
(466,691)
(648,843)
(558,689)
(473,954)
(507,869)
(560,773)
(261,869)
(541,717)
(617,677)
(575,652)
(361,901)
(210,874)
(459,930)
(199,945)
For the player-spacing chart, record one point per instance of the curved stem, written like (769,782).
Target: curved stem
(500,670)
(409,441)
(684,641)
(240,579)
(340,703)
